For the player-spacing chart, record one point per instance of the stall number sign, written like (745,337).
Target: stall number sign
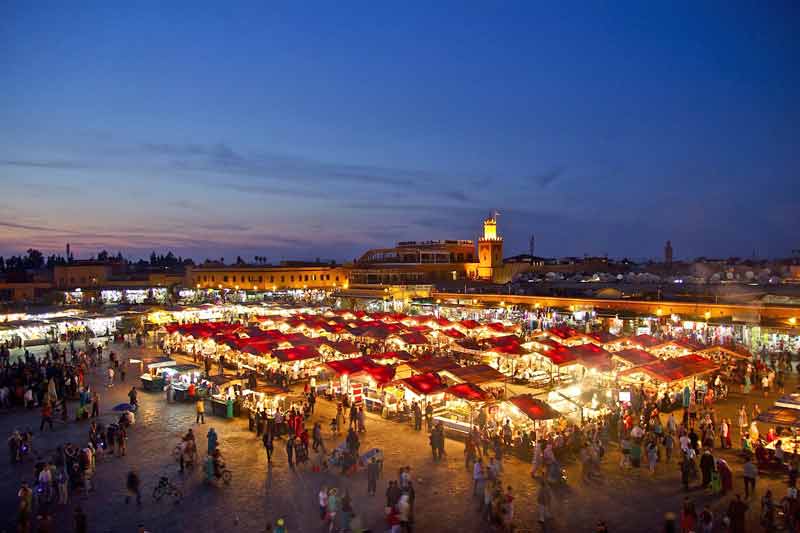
(358,393)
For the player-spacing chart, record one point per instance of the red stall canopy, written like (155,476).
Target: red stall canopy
(300,353)
(469,392)
(635,357)
(534,408)
(424,384)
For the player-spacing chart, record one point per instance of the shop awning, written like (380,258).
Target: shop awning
(562,332)
(508,349)
(469,344)
(221,380)
(156,362)
(299,353)
(414,339)
(375,333)
(720,350)
(349,366)
(183,368)
(259,348)
(469,324)
(592,356)
(645,340)
(343,347)
(780,416)
(505,340)
(431,364)
(603,337)
(476,374)
(635,357)
(534,408)
(560,356)
(469,392)
(400,355)
(452,333)
(675,369)
(382,374)
(424,384)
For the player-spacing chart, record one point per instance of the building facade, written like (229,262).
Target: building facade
(266,277)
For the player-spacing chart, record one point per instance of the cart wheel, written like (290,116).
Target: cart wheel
(226,477)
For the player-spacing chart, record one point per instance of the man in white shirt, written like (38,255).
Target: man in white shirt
(684,440)
(477,475)
(323,502)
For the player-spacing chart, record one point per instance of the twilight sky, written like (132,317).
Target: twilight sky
(320,129)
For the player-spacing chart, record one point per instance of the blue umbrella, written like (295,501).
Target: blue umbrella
(124,407)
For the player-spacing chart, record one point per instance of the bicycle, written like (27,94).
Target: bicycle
(166,488)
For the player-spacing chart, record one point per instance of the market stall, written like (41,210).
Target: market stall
(183,379)
(461,408)
(424,366)
(490,380)
(525,414)
(632,357)
(672,380)
(150,378)
(224,394)
(425,388)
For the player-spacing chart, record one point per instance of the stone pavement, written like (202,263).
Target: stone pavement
(630,502)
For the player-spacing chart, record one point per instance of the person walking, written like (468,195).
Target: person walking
(95,405)
(323,502)
(669,444)
(652,455)
(477,477)
(47,416)
(543,499)
(316,435)
(372,476)
(133,398)
(290,451)
(268,445)
(750,476)
(211,438)
(707,464)
(133,484)
(333,508)
(110,374)
(62,480)
(200,408)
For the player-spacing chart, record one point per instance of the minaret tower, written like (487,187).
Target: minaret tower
(490,249)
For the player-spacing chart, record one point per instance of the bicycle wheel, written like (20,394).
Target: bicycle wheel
(158,493)
(226,477)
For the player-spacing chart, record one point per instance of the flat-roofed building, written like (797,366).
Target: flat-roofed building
(266,277)
(416,262)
